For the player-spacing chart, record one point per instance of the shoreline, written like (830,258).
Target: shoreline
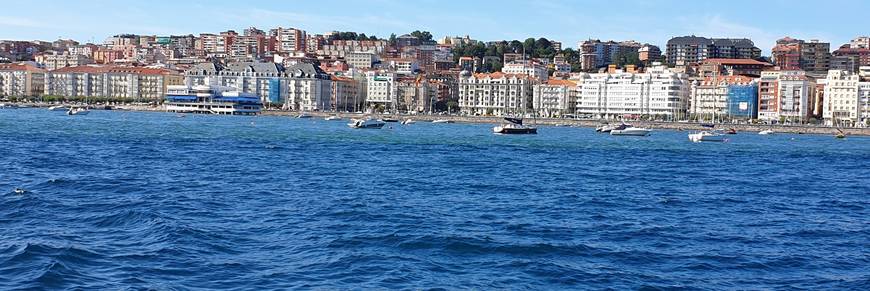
(679,126)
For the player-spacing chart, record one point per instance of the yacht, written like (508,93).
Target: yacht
(607,128)
(766,132)
(514,126)
(58,108)
(703,136)
(628,130)
(442,121)
(332,118)
(366,123)
(78,111)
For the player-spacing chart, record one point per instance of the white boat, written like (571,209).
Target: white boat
(514,126)
(408,121)
(442,121)
(367,123)
(704,136)
(58,108)
(766,132)
(631,131)
(8,106)
(303,115)
(332,118)
(78,111)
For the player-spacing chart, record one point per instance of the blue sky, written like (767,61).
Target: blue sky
(764,21)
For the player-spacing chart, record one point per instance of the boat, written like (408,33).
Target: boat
(303,115)
(707,136)
(20,191)
(58,108)
(78,111)
(442,121)
(389,120)
(730,131)
(766,132)
(332,118)
(840,134)
(408,121)
(8,106)
(607,128)
(366,123)
(629,130)
(514,126)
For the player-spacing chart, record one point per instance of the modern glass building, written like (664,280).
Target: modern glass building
(743,101)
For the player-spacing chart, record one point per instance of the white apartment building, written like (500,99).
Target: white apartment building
(21,80)
(847,99)
(658,92)
(496,94)
(711,99)
(299,87)
(54,60)
(361,60)
(289,39)
(785,94)
(381,90)
(533,69)
(110,82)
(555,98)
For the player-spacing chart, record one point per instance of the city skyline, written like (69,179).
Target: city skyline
(566,22)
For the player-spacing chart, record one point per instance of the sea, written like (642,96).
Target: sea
(151,200)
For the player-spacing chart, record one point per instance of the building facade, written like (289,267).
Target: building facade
(555,98)
(687,50)
(785,96)
(846,99)
(497,94)
(659,92)
(723,98)
(132,83)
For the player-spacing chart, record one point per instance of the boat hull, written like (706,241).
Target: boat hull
(697,137)
(630,132)
(505,130)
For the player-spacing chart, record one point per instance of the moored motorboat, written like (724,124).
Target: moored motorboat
(730,131)
(408,121)
(333,118)
(78,111)
(514,126)
(303,115)
(707,136)
(628,130)
(442,121)
(389,120)
(58,108)
(8,106)
(766,132)
(366,123)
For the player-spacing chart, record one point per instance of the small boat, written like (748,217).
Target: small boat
(58,108)
(607,128)
(514,126)
(303,115)
(730,131)
(707,136)
(20,191)
(442,121)
(78,111)
(840,134)
(181,115)
(8,106)
(766,132)
(332,118)
(408,121)
(366,123)
(389,120)
(631,131)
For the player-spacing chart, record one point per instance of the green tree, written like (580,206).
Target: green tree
(392,40)
(422,35)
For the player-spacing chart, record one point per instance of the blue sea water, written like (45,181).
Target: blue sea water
(148,200)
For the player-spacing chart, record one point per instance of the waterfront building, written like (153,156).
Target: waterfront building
(813,57)
(555,98)
(786,95)
(659,92)
(21,80)
(846,99)
(308,88)
(132,83)
(346,94)
(210,99)
(381,90)
(497,94)
(54,60)
(687,50)
(724,97)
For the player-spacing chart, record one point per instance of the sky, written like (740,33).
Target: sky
(646,21)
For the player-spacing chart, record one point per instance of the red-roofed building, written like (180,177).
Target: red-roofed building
(733,67)
(21,80)
(142,84)
(495,94)
(555,98)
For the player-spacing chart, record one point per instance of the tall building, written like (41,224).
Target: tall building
(496,94)
(786,95)
(308,88)
(847,98)
(814,57)
(685,50)
(649,53)
(658,92)
(724,97)
(381,90)
(851,56)
(595,54)
(289,40)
